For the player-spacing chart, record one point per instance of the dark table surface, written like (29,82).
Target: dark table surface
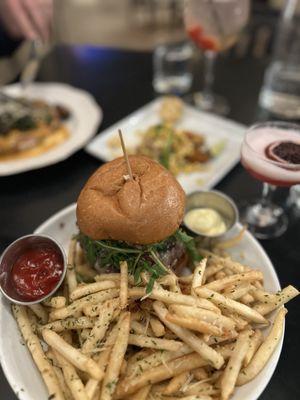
(121,83)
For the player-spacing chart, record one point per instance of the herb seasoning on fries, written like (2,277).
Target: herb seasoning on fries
(126,325)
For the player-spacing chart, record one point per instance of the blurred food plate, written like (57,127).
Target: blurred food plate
(85,117)
(18,366)
(222,137)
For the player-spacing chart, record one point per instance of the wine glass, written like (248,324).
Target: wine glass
(214,26)
(270,153)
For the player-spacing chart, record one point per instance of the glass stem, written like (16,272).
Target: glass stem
(267,194)
(209,76)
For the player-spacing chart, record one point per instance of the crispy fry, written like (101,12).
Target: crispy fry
(208,316)
(176,383)
(172,298)
(254,343)
(158,374)
(157,327)
(231,305)
(234,365)
(154,343)
(265,351)
(142,394)
(236,278)
(71,275)
(283,297)
(40,312)
(123,284)
(198,275)
(69,324)
(37,353)
(90,288)
(197,344)
(86,272)
(194,324)
(101,325)
(78,305)
(72,379)
(71,354)
(117,354)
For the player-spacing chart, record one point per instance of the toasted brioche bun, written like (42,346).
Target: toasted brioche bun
(146,210)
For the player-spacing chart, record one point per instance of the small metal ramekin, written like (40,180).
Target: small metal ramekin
(15,249)
(216,200)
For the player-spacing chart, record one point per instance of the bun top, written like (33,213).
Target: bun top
(146,210)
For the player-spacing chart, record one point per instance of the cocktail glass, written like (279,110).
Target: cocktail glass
(270,153)
(214,26)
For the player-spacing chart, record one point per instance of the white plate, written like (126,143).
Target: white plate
(213,127)
(86,115)
(17,363)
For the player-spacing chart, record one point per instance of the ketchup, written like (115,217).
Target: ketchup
(35,273)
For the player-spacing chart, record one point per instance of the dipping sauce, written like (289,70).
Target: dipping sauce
(205,221)
(35,273)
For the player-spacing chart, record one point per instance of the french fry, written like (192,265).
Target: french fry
(60,376)
(117,354)
(197,344)
(234,365)
(198,275)
(265,351)
(160,373)
(194,324)
(283,297)
(70,323)
(90,288)
(200,374)
(157,327)
(220,284)
(123,284)
(176,383)
(71,274)
(191,397)
(231,305)
(254,343)
(142,394)
(208,316)
(71,354)
(224,262)
(236,292)
(173,298)
(58,302)
(262,295)
(154,343)
(72,379)
(138,327)
(78,305)
(40,312)
(34,346)
(101,325)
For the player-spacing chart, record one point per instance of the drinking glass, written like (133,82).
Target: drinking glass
(214,26)
(270,153)
(280,93)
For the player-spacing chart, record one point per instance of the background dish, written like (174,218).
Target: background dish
(18,366)
(214,128)
(86,115)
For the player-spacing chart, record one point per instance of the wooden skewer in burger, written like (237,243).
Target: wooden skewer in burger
(130,210)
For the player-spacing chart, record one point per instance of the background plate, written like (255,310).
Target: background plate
(86,115)
(16,360)
(213,127)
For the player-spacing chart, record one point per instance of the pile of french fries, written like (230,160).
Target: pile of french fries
(193,337)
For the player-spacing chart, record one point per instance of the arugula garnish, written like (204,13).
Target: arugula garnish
(139,258)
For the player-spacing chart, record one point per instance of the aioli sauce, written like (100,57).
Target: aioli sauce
(205,221)
(34,274)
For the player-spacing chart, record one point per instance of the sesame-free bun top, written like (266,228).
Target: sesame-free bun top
(146,210)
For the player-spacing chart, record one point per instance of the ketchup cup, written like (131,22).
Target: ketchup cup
(32,268)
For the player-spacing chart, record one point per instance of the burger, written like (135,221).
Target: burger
(135,219)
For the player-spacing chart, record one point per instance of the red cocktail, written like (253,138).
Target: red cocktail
(271,154)
(214,26)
